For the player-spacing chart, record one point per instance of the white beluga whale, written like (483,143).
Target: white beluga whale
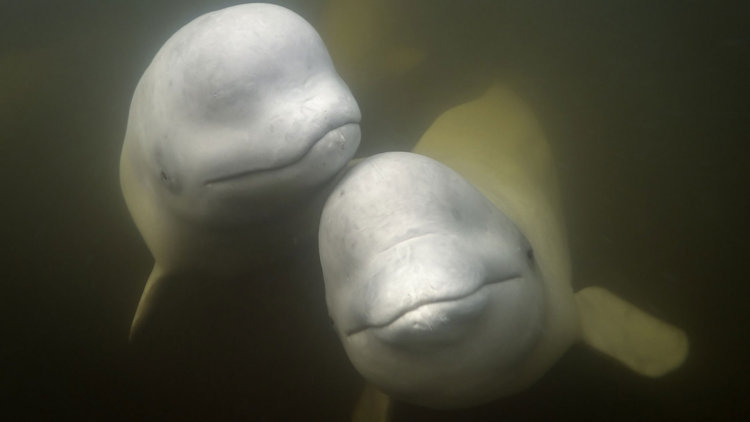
(447,270)
(239,120)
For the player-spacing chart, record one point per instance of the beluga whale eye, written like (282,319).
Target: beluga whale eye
(170,182)
(528,250)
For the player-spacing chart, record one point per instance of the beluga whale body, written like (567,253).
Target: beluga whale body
(236,125)
(447,270)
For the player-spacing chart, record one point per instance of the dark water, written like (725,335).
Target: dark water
(646,107)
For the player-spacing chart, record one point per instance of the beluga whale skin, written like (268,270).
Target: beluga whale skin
(239,120)
(447,270)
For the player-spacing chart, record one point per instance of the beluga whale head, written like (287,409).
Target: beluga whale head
(236,124)
(240,112)
(435,293)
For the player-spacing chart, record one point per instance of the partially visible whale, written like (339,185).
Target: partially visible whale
(447,270)
(239,120)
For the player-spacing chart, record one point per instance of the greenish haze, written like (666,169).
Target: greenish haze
(645,104)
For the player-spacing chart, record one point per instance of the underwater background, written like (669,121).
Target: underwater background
(646,108)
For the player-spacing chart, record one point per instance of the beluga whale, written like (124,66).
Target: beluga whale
(447,271)
(237,124)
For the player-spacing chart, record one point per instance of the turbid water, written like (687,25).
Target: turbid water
(644,105)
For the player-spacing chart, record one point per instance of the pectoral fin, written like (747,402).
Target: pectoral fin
(372,406)
(150,296)
(643,343)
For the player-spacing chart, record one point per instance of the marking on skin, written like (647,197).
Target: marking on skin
(404,241)
(420,304)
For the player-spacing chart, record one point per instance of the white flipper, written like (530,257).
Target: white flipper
(640,341)
(146,303)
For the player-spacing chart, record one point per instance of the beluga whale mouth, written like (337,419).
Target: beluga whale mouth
(347,131)
(433,316)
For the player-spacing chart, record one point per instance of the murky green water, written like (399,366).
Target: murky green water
(646,108)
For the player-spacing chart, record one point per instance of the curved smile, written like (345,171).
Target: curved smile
(295,159)
(457,300)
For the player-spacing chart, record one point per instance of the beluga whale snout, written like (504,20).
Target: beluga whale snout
(237,123)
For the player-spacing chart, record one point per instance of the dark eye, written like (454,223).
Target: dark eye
(169,181)
(530,254)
